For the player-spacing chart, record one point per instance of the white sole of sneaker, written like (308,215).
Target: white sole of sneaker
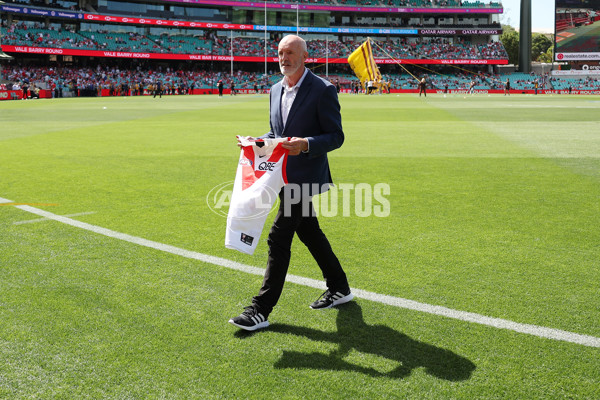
(343,300)
(261,325)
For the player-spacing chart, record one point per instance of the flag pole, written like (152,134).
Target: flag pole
(327,56)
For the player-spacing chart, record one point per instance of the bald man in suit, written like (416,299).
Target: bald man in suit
(306,109)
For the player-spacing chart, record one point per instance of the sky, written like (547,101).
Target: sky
(542,14)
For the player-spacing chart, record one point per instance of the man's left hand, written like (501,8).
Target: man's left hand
(295,145)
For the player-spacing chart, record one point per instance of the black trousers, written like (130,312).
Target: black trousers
(280,242)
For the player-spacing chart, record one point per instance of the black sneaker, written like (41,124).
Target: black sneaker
(250,320)
(328,299)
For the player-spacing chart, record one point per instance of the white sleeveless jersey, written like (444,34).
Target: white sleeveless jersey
(259,178)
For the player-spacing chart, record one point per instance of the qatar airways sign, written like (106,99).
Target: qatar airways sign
(438,32)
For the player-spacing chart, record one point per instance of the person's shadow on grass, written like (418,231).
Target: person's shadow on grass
(354,334)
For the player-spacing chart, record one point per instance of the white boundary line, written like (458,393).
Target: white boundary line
(32,221)
(539,331)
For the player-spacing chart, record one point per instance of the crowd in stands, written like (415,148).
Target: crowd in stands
(439,48)
(492,50)
(120,81)
(402,48)
(484,81)
(27,34)
(136,81)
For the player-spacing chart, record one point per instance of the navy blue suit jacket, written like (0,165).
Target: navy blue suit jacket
(315,114)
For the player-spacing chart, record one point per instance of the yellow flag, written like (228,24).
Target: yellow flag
(363,64)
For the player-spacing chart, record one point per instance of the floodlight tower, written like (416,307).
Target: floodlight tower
(525,37)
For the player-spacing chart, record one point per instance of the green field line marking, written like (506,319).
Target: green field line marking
(534,330)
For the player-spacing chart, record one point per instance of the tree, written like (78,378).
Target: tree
(548,56)
(540,44)
(510,41)
(508,28)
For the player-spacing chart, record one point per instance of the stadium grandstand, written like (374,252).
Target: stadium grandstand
(108,47)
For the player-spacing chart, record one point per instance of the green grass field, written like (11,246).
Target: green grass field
(494,210)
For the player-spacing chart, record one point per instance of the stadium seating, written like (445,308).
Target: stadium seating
(181,44)
(105,78)
(46,38)
(430,48)
(118,41)
(574,83)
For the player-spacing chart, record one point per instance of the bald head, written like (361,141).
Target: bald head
(293,40)
(292,54)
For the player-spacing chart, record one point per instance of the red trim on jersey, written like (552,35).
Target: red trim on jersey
(284,168)
(248,177)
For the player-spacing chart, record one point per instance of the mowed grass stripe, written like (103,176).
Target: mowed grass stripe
(534,330)
(85,114)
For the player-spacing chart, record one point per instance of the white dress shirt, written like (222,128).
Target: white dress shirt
(288,95)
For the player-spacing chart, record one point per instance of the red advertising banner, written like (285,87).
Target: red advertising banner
(18,94)
(164,22)
(496,91)
(207,57)
(11,94)
(421,61)
(146,92)
(462,92)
